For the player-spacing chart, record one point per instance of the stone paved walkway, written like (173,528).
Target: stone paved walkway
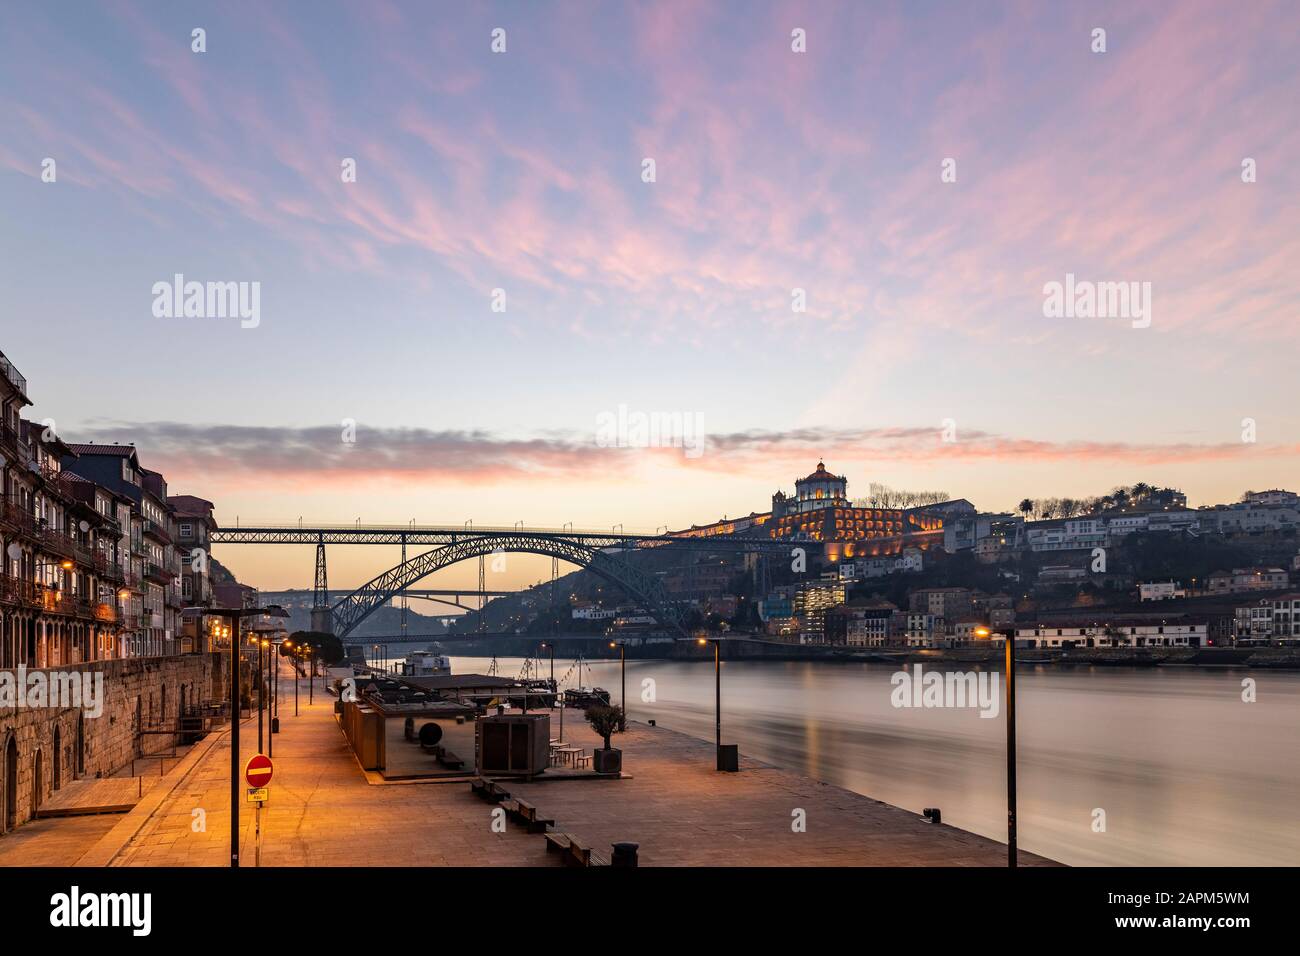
(56,842)
(322,811)
(683,812)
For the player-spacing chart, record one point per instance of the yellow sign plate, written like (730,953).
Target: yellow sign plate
(258,794)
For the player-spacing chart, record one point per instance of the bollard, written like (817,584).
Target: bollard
(729,758)
(624,854)
(932,814)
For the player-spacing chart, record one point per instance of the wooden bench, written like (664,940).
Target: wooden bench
(576,852)
(557,843)
(447,759)
(581,854)
(526,814)
(488,790)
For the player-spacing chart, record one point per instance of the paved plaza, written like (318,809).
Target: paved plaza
(325,811)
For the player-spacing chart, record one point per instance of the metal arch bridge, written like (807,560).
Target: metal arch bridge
(596,551)
(452,597)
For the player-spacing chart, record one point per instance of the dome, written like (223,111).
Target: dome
(821,474)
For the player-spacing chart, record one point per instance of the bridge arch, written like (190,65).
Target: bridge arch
(348,613)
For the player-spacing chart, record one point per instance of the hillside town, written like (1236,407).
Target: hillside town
(1134,568)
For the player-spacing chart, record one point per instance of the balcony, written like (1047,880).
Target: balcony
(158,574)
(57,482)
(106,613)
(110,570)
(18,518)
(9,440)
(19,592)
(57,542)
(14,377)
(56,602)
(156,530)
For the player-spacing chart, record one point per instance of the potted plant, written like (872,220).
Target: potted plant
(606,721)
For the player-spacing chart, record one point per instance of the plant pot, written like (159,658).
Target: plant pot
(607,760)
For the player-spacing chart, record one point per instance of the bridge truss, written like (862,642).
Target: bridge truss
(602,553)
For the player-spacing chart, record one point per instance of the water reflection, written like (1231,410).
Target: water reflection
(1186,773)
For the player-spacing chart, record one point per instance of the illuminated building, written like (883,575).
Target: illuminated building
(819,511)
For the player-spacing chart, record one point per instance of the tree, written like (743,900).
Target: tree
(1026,507)
(326,647)
(606,720)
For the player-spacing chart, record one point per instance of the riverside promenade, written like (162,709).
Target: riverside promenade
(322,810)
(325,811)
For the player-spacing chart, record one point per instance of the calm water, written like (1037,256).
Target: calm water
(1186,773)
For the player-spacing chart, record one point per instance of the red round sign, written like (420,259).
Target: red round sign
(258,770)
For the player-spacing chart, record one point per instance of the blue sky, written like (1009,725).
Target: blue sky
(775,170)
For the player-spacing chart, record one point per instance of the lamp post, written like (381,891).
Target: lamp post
(622,667)
(717,693)
(275,686)
(289,644)
(233,616)
(1011,748)
(261,693)
(1009,640)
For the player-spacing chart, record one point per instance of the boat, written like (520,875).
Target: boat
(426,664)
(584,697)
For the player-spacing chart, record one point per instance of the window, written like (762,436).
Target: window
(186,530)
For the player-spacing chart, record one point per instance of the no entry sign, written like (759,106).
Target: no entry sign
(258,770)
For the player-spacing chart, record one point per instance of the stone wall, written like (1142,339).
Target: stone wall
(138,692)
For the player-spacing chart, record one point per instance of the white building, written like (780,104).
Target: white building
(1250,518)
(1275,496)
(1115,634)
(593,613)
(1272,620)
(868,627)
(1160,591)
(922,630)
(1240,580)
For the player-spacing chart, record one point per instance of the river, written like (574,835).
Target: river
(1184,771)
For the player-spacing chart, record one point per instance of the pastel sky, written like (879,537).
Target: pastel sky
(775,171)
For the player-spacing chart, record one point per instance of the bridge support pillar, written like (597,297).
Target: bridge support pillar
(322,617)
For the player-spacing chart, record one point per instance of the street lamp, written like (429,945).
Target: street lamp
(292,650)
(311,674)
(622,666)
(261,692)
(233,617)
(1009,639)
(717,695)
